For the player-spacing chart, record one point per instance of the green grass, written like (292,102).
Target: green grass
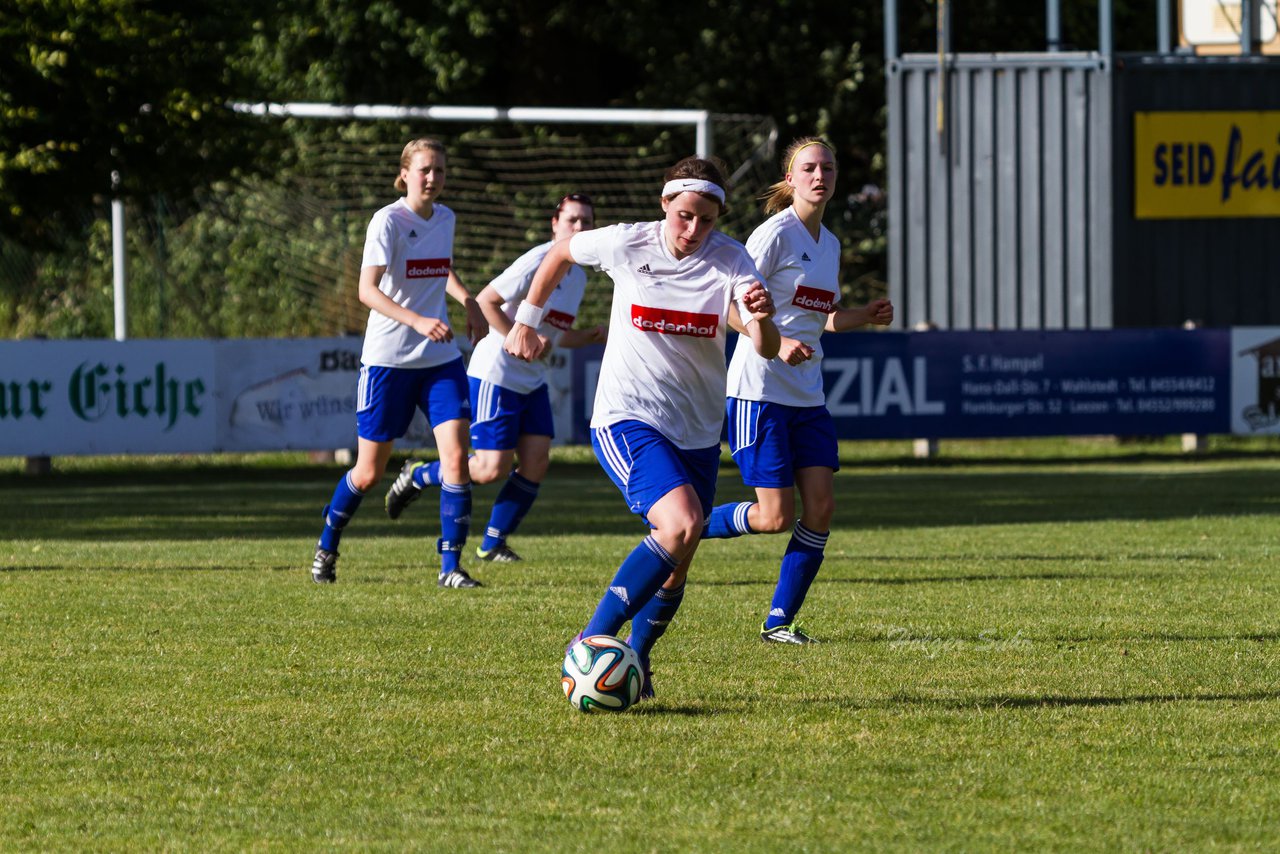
(1050,644)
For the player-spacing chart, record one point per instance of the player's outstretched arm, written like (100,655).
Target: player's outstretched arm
(523,341)
(875,313)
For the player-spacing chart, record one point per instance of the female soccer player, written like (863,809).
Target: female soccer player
(656,421)
(780,432)
(511,409)
(409,358)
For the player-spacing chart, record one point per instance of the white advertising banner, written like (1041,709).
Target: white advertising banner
(106,397)
(60,398)
(1255,380)
(287,393)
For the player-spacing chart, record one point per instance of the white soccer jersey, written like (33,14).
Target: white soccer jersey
(489,362)
(804,280)
(664,363)
(418,254)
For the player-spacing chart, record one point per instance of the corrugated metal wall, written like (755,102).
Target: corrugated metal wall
(1217,272)
(1003,220)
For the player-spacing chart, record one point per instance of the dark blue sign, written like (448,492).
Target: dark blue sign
(903,385)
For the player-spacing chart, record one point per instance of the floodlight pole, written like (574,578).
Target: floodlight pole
(1164,30)
(700,119)
(890,31)
(1053,25)
(1106,42)
(1250,27)
(117,258)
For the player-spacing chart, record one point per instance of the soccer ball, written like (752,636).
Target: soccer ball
(601,673)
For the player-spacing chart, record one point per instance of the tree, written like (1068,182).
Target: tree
(92,88)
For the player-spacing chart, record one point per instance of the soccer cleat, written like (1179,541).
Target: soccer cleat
(786,634)
(403,491)
(457,578)
(501,553)
(646,687)
(324,567)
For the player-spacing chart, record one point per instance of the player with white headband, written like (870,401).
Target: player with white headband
(655,425)
(780,433)
(409,359)
(510,403)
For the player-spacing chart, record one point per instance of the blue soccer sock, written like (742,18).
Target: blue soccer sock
(652,620)
(800,565)
(728,520)
(455,524)
(338,512)
(427,474)
(634,584)
(514,500)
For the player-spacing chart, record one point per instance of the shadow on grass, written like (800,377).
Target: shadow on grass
(577,499)
(1050,701)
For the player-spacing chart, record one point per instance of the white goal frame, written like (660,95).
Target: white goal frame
(699,119)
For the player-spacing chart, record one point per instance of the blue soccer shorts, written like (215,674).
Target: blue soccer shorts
(645,465)
(387,397)
(769,441)
(501,416)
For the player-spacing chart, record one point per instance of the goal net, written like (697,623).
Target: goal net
(503,184)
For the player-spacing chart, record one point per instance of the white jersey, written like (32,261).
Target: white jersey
(491,363)
(664,362)
(804,280)
(418,254)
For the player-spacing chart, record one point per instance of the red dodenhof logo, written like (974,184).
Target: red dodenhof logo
(559,319)
(814,299)
(426,268)
(671,322)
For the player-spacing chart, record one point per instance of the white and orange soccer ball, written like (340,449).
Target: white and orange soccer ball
(601,673)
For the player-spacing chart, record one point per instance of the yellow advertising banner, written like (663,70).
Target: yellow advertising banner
(1192,165)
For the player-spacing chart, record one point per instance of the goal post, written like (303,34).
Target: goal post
(700,119)
(508,169)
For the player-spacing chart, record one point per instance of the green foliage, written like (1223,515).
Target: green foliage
(1073,647)
(140,89)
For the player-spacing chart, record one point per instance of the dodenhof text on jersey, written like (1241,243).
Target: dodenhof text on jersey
(671,322)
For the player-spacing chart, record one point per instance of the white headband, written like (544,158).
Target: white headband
(692,185)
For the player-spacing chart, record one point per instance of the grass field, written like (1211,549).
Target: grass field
(1066,645)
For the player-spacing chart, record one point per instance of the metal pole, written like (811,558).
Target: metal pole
(117,258)
(890,31)
(1249,21)
(1105,41)
(1053,25)
(704,140)
(1164,40)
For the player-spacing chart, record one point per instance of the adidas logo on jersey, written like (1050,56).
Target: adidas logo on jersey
(413,233)
(804,256)
(644,268)
(621,593)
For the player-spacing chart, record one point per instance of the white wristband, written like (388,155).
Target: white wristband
(529,314)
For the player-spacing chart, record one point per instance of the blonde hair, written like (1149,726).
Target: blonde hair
(425,143)
(780,195)
(704,169)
